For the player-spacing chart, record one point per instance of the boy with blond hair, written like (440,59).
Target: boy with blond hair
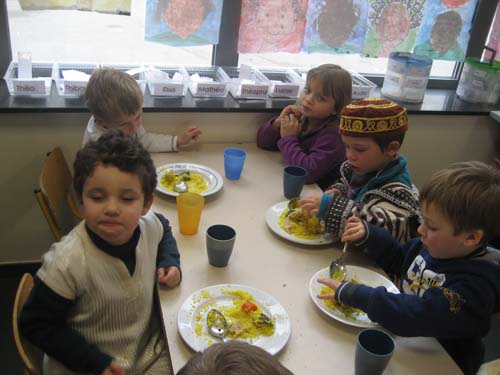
(115,101)
(374,183)
(92,307)
(449,277)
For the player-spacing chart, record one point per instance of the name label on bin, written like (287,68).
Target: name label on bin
(285,90)
(167,89)
(23,87)
(254,90)
(74,87)
(211,89)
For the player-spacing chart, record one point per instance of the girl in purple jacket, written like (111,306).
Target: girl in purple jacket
(307,133)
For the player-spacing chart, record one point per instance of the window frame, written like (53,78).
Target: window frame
(226,54)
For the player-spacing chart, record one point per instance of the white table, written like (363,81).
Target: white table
(261,259)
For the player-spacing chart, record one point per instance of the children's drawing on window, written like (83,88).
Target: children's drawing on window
(335,26)
(272,25)
(121,7)
(392,26)
(183,22)
(444,33)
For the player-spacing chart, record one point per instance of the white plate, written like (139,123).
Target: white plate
(366,277)
(212,297)
(212,178)
(272,216)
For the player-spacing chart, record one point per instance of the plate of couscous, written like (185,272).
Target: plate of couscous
(296,226)
(347,314)
(252,315)
(199,178)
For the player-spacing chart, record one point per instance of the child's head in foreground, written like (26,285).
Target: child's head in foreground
(330,82)
(460,209)
(372,130)
(115,100)
(233,358)
(114,178)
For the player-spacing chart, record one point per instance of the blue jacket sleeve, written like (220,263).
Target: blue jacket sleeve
(43,322)
(268,136)
(168,253)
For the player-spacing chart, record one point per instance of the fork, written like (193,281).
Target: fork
(337,267)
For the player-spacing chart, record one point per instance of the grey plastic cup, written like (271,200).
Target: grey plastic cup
(374,349)
(294,178)
(220,243)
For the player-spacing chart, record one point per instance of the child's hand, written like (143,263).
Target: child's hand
(286,112)
(189,136)
(333,192)
(333,284)
(310,204)
(113,369)
(169,276)
(290,125)
(354,230)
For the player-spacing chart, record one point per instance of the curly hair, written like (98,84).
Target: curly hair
(119,150)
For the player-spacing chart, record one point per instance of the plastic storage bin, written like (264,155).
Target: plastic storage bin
(406,77)
(70,87)
(253,85)
(216,86)
(37,86)
(136,71)
(479,82)
(159,86)
(284,83)
(361,87)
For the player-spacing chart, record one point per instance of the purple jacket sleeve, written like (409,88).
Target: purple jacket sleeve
(326,153)
(268,136)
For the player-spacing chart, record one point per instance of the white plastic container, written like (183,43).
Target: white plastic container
(406,77)
(247,83)
(283,82)
(74,86)
(209,81)
(136,71)
(167,81)
(38,85)
(479,82)
(361,87)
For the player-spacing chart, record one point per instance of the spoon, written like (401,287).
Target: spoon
(337,269)
(180,187)
(217,324)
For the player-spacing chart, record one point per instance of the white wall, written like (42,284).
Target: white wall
(432,143)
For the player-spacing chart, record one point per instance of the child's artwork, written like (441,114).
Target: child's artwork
(272,25)
(444,33)
(121,7)
(392,26)
(183,22)
(494,37)
(336,26)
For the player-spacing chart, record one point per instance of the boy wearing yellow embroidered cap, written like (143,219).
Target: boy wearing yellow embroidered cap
(375,184)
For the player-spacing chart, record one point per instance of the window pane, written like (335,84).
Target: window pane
(71,35)
(355,62)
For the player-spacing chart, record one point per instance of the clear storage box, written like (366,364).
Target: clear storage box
(37,86)
(283,82)
(247,83)
(479,82)
(209,81)
(74,86)
(167,80)
(136,71)
(361,87)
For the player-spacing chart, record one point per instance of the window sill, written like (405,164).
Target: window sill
(436,102)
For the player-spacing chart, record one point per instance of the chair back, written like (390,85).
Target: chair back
(55,195)
(31,356)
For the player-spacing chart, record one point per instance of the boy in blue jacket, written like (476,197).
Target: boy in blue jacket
(449,278)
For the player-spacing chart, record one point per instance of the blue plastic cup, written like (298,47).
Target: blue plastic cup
(294,178)
(374,349)
(234,158)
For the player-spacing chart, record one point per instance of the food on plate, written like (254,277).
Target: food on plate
(245,317)
(298,222)
(195,182)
